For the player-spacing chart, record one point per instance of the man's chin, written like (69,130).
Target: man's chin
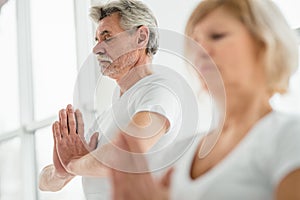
(105,70)
(105,73)
(109,74)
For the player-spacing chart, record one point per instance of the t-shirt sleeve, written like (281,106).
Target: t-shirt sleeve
(159,100)
(89,131)
(286,152)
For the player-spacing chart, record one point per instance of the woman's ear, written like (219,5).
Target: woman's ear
(142,37)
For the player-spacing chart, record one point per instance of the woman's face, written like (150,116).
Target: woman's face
(233,50)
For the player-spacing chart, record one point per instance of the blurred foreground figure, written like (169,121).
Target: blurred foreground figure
(256,155)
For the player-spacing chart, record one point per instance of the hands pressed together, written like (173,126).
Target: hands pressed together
(69,140)
(70,144)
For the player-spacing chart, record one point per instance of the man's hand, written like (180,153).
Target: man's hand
(60,171)
(69,136)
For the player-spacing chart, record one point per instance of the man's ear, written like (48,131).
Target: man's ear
(142,37)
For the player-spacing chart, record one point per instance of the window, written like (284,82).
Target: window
(8,68)
(54,55)
(51,27)
(54,76)
(44,149)
(57,48)
(10,172)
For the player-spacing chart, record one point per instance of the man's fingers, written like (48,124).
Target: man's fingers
(56,132)
(94,141)
(63,123)
(53,131)
(71,119)
(80,124)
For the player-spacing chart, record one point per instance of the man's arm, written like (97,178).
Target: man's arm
(50,180)
(70,140)
(54,177)
(145,129)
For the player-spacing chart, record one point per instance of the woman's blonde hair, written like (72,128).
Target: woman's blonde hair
(267,25)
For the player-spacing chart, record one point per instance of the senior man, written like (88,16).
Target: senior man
(127,39)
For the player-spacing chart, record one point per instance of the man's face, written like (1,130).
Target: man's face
(116,49)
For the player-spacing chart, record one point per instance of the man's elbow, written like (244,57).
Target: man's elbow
(46,181)
(45,189)
(50,187)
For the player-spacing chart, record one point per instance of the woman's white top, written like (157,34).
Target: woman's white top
(252,170)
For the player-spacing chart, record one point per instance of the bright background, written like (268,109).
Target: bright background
(42,46)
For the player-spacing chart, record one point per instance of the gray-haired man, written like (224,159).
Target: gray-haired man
(127,39)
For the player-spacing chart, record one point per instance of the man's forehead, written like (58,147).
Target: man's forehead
(110,23)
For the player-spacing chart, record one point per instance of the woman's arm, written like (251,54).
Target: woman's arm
(289,187)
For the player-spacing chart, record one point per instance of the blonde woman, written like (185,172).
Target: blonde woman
(257,155)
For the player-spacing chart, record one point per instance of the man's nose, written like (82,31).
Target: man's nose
(99,48)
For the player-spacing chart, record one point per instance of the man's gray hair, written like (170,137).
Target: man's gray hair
(133,14)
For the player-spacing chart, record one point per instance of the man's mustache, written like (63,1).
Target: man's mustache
(104,58)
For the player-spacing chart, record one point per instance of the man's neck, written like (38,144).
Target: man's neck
(136,73)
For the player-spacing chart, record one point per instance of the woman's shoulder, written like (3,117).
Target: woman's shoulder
(282,145)
(277,135)
(278,121)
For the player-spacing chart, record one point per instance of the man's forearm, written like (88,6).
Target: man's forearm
(87,165)
(142,125)
(49,180)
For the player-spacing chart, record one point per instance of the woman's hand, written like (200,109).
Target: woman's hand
(137,186)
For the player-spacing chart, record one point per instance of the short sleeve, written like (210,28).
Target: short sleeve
(286,152)
(159,100)
(94,126)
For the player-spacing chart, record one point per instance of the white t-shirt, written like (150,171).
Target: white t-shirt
(253,170)
(160,93)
